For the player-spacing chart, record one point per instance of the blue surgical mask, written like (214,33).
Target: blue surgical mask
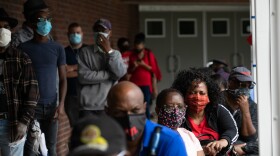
(44,27)
(75,38)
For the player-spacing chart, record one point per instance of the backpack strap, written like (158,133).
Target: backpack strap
(153,145)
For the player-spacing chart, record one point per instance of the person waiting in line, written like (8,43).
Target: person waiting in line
(126,105)
(99,68)
(244,110)
(26,33)
(75,36)
(144,70)
(19,91)
(97,136)
(220,67)
(210,121)
(48,59)
(171,109)
(124,47)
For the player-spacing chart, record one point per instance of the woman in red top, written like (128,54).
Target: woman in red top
(142,67)
(211,122)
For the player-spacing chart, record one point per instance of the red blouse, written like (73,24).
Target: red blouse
(202,128)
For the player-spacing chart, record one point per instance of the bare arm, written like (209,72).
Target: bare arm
(247,128)
(72,71)
(62,90)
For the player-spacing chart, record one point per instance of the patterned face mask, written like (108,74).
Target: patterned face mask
(171,117)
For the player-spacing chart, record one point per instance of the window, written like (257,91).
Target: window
(155,28)
(220,27)
(245,27)
(187,27)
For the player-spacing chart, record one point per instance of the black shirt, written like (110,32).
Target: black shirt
(71,59)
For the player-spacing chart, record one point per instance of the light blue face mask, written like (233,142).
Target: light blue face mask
(44,27)
(75,38)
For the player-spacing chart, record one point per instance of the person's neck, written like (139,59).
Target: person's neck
(133,146)
(76,46)
(231,103)
(3,49)
(40,39)
(196,115)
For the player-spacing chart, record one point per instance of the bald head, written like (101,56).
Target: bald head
(126,97)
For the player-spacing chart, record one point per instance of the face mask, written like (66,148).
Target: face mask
(124,48)
(44,27)
(95,35)
(197,102)
(133,125)
(138,50)
(5,37)
(171,118)
(235,93)
(75,38)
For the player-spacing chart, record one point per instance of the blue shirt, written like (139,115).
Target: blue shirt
(71,59)
(170,143)
(46,58)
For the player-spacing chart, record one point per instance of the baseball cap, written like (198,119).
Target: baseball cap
(242,74)
(97,135)
(104,23)
(32,6)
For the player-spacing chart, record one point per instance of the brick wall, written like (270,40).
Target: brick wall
(124,18)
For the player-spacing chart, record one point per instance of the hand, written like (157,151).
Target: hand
(104,43)
(141,55)
(59,111)
(216,146)
(243,103)
(238,149)
(20,131)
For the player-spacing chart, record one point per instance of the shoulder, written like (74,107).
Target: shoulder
(89,48)
(222,110)
(18,54)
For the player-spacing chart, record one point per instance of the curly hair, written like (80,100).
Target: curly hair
(184,80)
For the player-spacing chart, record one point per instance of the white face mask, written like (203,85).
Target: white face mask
(5,37)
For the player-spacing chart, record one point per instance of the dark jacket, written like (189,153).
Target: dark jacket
(21,87)
(252,141)
(220,120)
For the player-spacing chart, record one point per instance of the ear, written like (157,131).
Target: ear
(157,110)
(145,105)
(110,33)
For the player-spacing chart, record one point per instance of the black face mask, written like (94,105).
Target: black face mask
(138,50)
(124,48)
(133,125)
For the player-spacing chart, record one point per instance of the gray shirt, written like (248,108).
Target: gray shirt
(97,73)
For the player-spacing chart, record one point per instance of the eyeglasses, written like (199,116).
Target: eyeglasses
(41,19)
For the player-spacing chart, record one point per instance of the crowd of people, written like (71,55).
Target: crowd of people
(107,95)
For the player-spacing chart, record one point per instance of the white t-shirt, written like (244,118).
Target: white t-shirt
(192,144)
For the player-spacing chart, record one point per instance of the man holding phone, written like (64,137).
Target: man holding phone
(99,68)
(243,109)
